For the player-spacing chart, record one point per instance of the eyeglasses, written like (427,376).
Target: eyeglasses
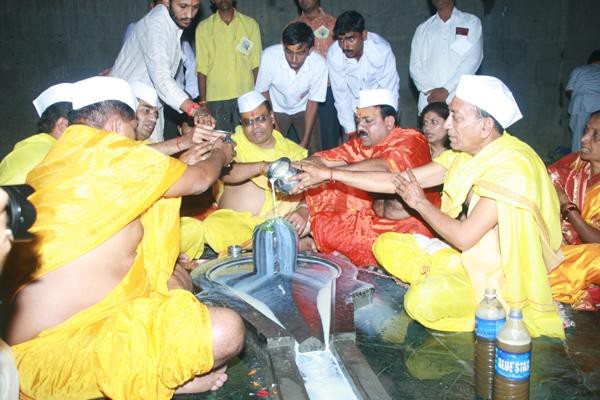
(250,121)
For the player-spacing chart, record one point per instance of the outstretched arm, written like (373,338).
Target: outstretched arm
(462,234)
(242,172)
(428,175)
(199,177)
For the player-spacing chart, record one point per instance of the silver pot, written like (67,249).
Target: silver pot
(279,173)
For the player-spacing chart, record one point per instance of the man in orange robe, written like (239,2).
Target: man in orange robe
(348,220)
(577,181)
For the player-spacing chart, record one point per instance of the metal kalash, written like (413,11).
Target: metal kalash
(279,295)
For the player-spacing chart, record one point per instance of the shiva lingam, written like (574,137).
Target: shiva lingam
(299,309)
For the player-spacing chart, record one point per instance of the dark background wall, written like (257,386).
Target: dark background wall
(531,45)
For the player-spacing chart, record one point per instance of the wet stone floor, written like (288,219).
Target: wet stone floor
(414,362)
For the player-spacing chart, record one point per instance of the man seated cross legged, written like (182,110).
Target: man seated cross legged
(244,196)
(101,316)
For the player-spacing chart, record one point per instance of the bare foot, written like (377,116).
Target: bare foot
(307,244)
(212,381)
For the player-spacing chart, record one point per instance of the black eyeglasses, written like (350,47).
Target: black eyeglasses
(250,121)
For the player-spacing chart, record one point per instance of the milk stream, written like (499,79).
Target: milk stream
(274,197)
(322,374)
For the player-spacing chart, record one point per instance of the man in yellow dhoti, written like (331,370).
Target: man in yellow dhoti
(243,195)
(510,237)
(52,107)
(101,316)
(577,181)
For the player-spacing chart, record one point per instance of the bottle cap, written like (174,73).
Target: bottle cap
(490,292)
(515,313)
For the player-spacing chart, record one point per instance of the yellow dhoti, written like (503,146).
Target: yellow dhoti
(225,227)
(141,341)
(514,257)
(441,295)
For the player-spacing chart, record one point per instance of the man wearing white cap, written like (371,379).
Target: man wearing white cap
(52,106)
(103,311)
(244,197)
(146,116)
(147,109)
(510,236)
(348,220)
(152,55)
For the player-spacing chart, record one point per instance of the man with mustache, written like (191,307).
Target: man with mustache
(508,238)
(348,220)
(359,60)
(152,55)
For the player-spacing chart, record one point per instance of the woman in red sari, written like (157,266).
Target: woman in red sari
(577,181)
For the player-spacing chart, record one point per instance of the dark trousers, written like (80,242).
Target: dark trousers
(225,112)
(331,132)
(296,121)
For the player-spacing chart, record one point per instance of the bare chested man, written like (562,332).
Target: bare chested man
(347,220)
(101,318)
(245,197)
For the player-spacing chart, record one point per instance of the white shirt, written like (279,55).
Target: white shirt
(376,69)
(443,51)
(186,75)
(584,82)
(289,90)
(152,55)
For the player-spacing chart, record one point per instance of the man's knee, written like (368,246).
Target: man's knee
(417,303)
(227,332)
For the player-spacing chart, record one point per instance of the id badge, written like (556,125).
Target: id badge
(245,45)
(321,32)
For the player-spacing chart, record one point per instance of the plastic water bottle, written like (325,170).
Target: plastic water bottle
(513,359)
(489,319)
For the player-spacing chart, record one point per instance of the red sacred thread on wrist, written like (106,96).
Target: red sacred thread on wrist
(190,110)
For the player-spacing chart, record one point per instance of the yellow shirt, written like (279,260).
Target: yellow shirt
(26,154)
(227,54)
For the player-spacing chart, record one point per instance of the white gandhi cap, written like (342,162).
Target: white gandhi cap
(62,92)
(249,101)
(145,92)
(376,97)
(490,95)
(102,88)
